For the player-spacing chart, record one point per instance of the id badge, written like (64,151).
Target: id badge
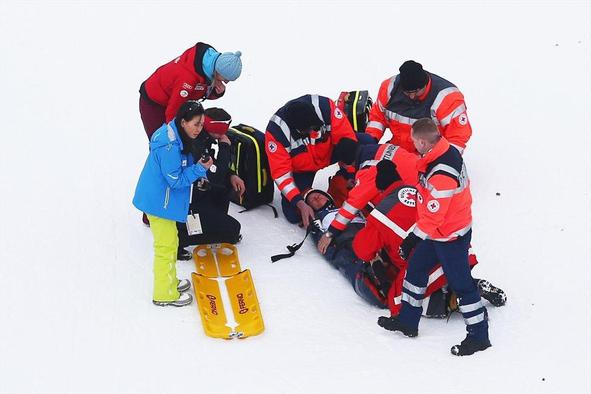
(194,224)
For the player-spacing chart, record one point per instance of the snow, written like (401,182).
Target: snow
(75,260)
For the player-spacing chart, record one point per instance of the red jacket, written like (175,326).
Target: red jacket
(444,200)
(180,80)
(387,225)
(288,153)
(365,189)
(442,102)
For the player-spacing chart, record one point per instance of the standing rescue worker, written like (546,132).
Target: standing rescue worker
(442,234)
(414,94)
(199,73)
(299,141)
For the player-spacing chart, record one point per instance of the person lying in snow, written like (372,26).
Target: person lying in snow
(375,276)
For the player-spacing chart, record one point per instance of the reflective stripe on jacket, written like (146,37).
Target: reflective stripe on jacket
(289,153)
(443,199)
(442,101)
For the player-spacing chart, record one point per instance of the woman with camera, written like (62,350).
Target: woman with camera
(163,192)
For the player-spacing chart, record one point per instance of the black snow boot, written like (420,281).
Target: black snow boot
(183,254)
(492,294)
(469,346)
(392,324)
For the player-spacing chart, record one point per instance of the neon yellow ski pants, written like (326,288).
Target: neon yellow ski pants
(166,243)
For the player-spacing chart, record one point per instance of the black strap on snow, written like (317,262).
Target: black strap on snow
(292,249)
(269,205)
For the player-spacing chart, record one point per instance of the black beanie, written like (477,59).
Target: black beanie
(345,151)
(386,175)
(412,76)
(301,115)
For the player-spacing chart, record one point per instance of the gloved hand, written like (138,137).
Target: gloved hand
(408,245)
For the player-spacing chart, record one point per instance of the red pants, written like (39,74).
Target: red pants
(153,116)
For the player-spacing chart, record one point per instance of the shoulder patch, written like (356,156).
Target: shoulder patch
(463,119)
(433,206)
(184,93)
(272,146)
(338,114)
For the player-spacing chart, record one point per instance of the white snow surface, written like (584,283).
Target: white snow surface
(76,262)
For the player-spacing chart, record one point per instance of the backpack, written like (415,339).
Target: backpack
(356,105)
(249,162)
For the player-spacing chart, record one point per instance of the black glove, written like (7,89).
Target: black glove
(408,245)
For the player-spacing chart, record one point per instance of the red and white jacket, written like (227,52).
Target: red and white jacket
(442,101)
(180,80)
(387,226)
(365,189)
(444,201)
(288,153)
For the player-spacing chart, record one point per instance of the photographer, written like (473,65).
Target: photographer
(211,196)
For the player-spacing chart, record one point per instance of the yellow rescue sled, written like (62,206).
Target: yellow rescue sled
(218,266)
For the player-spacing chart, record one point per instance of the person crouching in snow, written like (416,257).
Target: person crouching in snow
(210,201)
(163,192)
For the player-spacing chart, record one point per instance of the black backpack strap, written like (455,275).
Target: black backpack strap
(269,205)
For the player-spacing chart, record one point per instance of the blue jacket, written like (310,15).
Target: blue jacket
(164,187)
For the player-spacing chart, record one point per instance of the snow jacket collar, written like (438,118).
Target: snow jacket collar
(439,149)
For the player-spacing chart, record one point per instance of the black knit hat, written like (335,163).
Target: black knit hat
(345,151)
(412,76)
(386,175)
(301,115)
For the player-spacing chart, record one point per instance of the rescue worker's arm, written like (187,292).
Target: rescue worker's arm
(433,209)
(357,199)
(281,169)
(377,121)
(368,241)
(340,126)
(453,120)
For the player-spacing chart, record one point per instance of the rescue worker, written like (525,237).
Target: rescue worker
(442,234)
(414,94)
(199,73)
(364,159)
(387,226)
(299,141)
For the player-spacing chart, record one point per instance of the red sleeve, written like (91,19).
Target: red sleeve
(453,119)
(281,168)
(429,220)
(367,241)
(340,126)
(357,199)
(377,121)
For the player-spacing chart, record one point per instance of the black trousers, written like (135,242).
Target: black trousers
(217,225)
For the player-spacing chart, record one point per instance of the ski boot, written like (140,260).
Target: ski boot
(492,294)
(392,324)
(469,346)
